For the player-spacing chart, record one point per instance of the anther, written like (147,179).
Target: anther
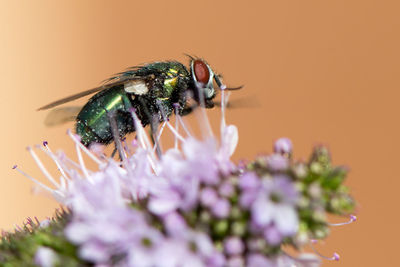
(336,256)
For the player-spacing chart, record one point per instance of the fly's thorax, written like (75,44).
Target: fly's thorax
(171,81)
(174,85)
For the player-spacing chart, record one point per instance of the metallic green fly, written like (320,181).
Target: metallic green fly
(154,91)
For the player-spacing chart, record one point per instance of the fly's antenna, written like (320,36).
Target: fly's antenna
(189,56)
(223,86)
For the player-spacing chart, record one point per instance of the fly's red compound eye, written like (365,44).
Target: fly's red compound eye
(201,71)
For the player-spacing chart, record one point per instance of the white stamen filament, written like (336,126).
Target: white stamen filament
(300,260)
(352,219)
(34,180)
(224,102)
(54,158)
(144,141)
(63,183)
(184,125)
(74,164)
(202,118)
(176,128)
(177,135)
(42,168)
(126,147)
(335,256)
(64,179)
(159,136)
(142,136)
(90,154)
(82,163)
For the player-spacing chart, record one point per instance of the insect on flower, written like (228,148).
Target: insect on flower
(153,91)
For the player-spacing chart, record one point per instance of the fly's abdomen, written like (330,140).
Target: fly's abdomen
(93,123)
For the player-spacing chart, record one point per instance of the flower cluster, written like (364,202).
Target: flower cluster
(192,206)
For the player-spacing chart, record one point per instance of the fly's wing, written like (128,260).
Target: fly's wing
(124,75)
(120,78)
(71,98)
(62,115)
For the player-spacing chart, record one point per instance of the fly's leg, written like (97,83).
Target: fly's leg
(153,135)
(114,152)
(153,121)
(115,133)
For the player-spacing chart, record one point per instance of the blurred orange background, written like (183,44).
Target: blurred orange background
(315,71)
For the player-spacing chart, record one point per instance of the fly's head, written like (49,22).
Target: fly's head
(202,77)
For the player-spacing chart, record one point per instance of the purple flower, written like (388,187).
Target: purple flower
(277,162)
(250,184)
(111,232)
(221,208)
(235,261)
(174,224)
(45,257)
(217,259)
(247,198)
(45,223)
(274,205)
(233,246)
(140,177)
(169,253)
(103,225)
(272,235)
(226,189)
(95,252)
(201,160)
(187,207)
(283,146)
(208,196)
(229,141)
(144,246)
(249,181)
(258,260)
(164,202)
